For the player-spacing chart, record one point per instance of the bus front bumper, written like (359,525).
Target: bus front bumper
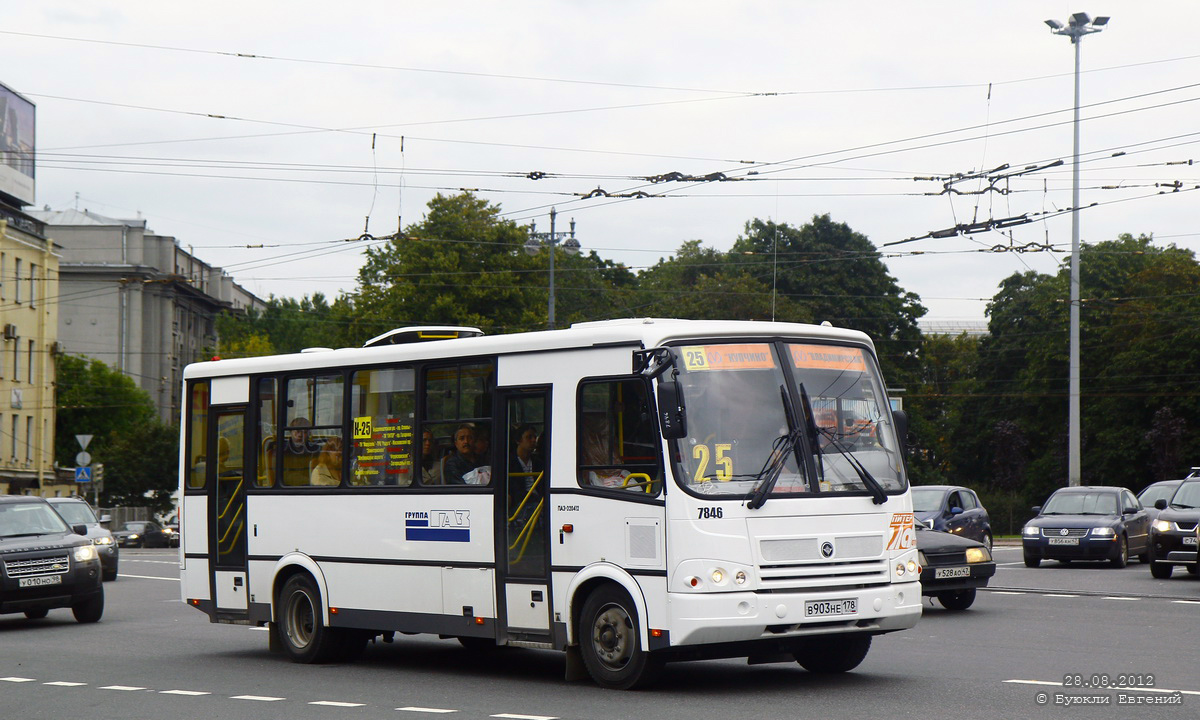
(746,616)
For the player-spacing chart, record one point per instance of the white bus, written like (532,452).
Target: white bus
(631,492)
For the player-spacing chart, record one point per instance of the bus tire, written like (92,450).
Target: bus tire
(299,627)
(610,641)
(830,654)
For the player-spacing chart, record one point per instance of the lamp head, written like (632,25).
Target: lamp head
(1079,19)
(1100,21)
(1054,24)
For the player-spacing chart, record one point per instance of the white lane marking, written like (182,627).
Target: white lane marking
(1059,595)
(1005,592)
(190,693)
(1011,563)
(260,629)
(259,698)
(525,717)
(63,683)
(1187,602)
(333,703)
(426,710)
(148,577)
(1114,597)
(121,687)
(1122,689)
(17,679)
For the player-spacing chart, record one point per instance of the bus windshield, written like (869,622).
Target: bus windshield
(737,396)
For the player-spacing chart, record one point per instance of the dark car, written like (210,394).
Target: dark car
(953,509)
(76,511)
(1173,533)
(46,563)
(141,534)
(952,567)
(1088,523)
(1152,493)
(172,531)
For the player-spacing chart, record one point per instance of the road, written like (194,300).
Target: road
(152,657)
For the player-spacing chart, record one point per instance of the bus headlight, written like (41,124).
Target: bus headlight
(718,576)
(740,577)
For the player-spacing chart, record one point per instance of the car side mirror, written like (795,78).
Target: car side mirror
(1129,511)
(1160,504)
(105,519)
(956,510)
(79,529)
(1037,509)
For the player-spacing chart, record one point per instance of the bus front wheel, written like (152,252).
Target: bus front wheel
(830,654)
(610,641)
(300,629)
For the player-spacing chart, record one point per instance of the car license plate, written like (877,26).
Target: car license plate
(952,572)
(1189,540)
(819,608)
(1062,541)
(36,581)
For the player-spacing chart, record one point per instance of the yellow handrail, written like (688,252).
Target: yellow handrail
(526,532)
(648,483)
(528,493)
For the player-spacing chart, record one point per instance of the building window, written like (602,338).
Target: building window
(32,284)
(17,280)
(28,438)
(3,265)
(29,361)
(15,419)
(16,371)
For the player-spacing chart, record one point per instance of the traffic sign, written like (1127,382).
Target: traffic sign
(83,457)
(83,474)
(83,441)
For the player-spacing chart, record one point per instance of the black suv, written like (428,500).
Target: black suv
(46,563)
(1173,534)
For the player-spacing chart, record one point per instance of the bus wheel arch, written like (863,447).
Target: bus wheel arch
(588,581)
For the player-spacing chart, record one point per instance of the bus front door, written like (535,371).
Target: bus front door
(524,544)
(227,478)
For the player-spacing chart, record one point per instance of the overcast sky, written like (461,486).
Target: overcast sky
(355,109)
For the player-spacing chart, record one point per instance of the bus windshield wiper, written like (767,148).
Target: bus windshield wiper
(878,495)
(783,446)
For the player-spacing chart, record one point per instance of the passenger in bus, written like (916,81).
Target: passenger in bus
(431,466)
(524,462)
(596,444)
(328,468)
(298,453)
(463,461)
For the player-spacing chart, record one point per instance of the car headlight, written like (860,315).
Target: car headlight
(133,536)
(921,558)
(1162,525)
(1102,531)
(102,541)
(978,555)
(1029,531)
(85,553)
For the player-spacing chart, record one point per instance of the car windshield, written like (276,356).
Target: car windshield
(76,513)
(927,499)
(17,519)
(737,395)
(1154,493)
(135,526)
(1081,503)
(1187,496)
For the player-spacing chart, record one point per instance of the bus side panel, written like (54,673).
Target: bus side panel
(404,551)
(194,570)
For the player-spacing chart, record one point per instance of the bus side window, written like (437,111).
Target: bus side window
(265,433)
(618,436)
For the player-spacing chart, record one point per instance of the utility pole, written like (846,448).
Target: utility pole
(538,240)
(1078,26)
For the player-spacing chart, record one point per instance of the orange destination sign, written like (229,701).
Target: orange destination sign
(829,357)
(728,357)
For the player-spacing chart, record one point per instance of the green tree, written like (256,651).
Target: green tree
(139,453)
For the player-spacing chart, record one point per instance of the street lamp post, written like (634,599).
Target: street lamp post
(550,240)
(1077,26)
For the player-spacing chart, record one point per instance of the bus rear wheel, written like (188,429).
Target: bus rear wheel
(610,642)
(301,631)
(831,654)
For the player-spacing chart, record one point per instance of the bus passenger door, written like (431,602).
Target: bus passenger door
(227,478)
(524,543)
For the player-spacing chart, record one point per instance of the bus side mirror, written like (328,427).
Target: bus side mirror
(901,419)
(671,415)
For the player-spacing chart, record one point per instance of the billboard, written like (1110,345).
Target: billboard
(16,147)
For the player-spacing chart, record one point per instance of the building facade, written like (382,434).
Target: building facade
(137,301)
(29,266)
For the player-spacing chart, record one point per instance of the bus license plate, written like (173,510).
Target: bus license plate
(1062,541)
(820,608)
(36,581)
(952,572)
